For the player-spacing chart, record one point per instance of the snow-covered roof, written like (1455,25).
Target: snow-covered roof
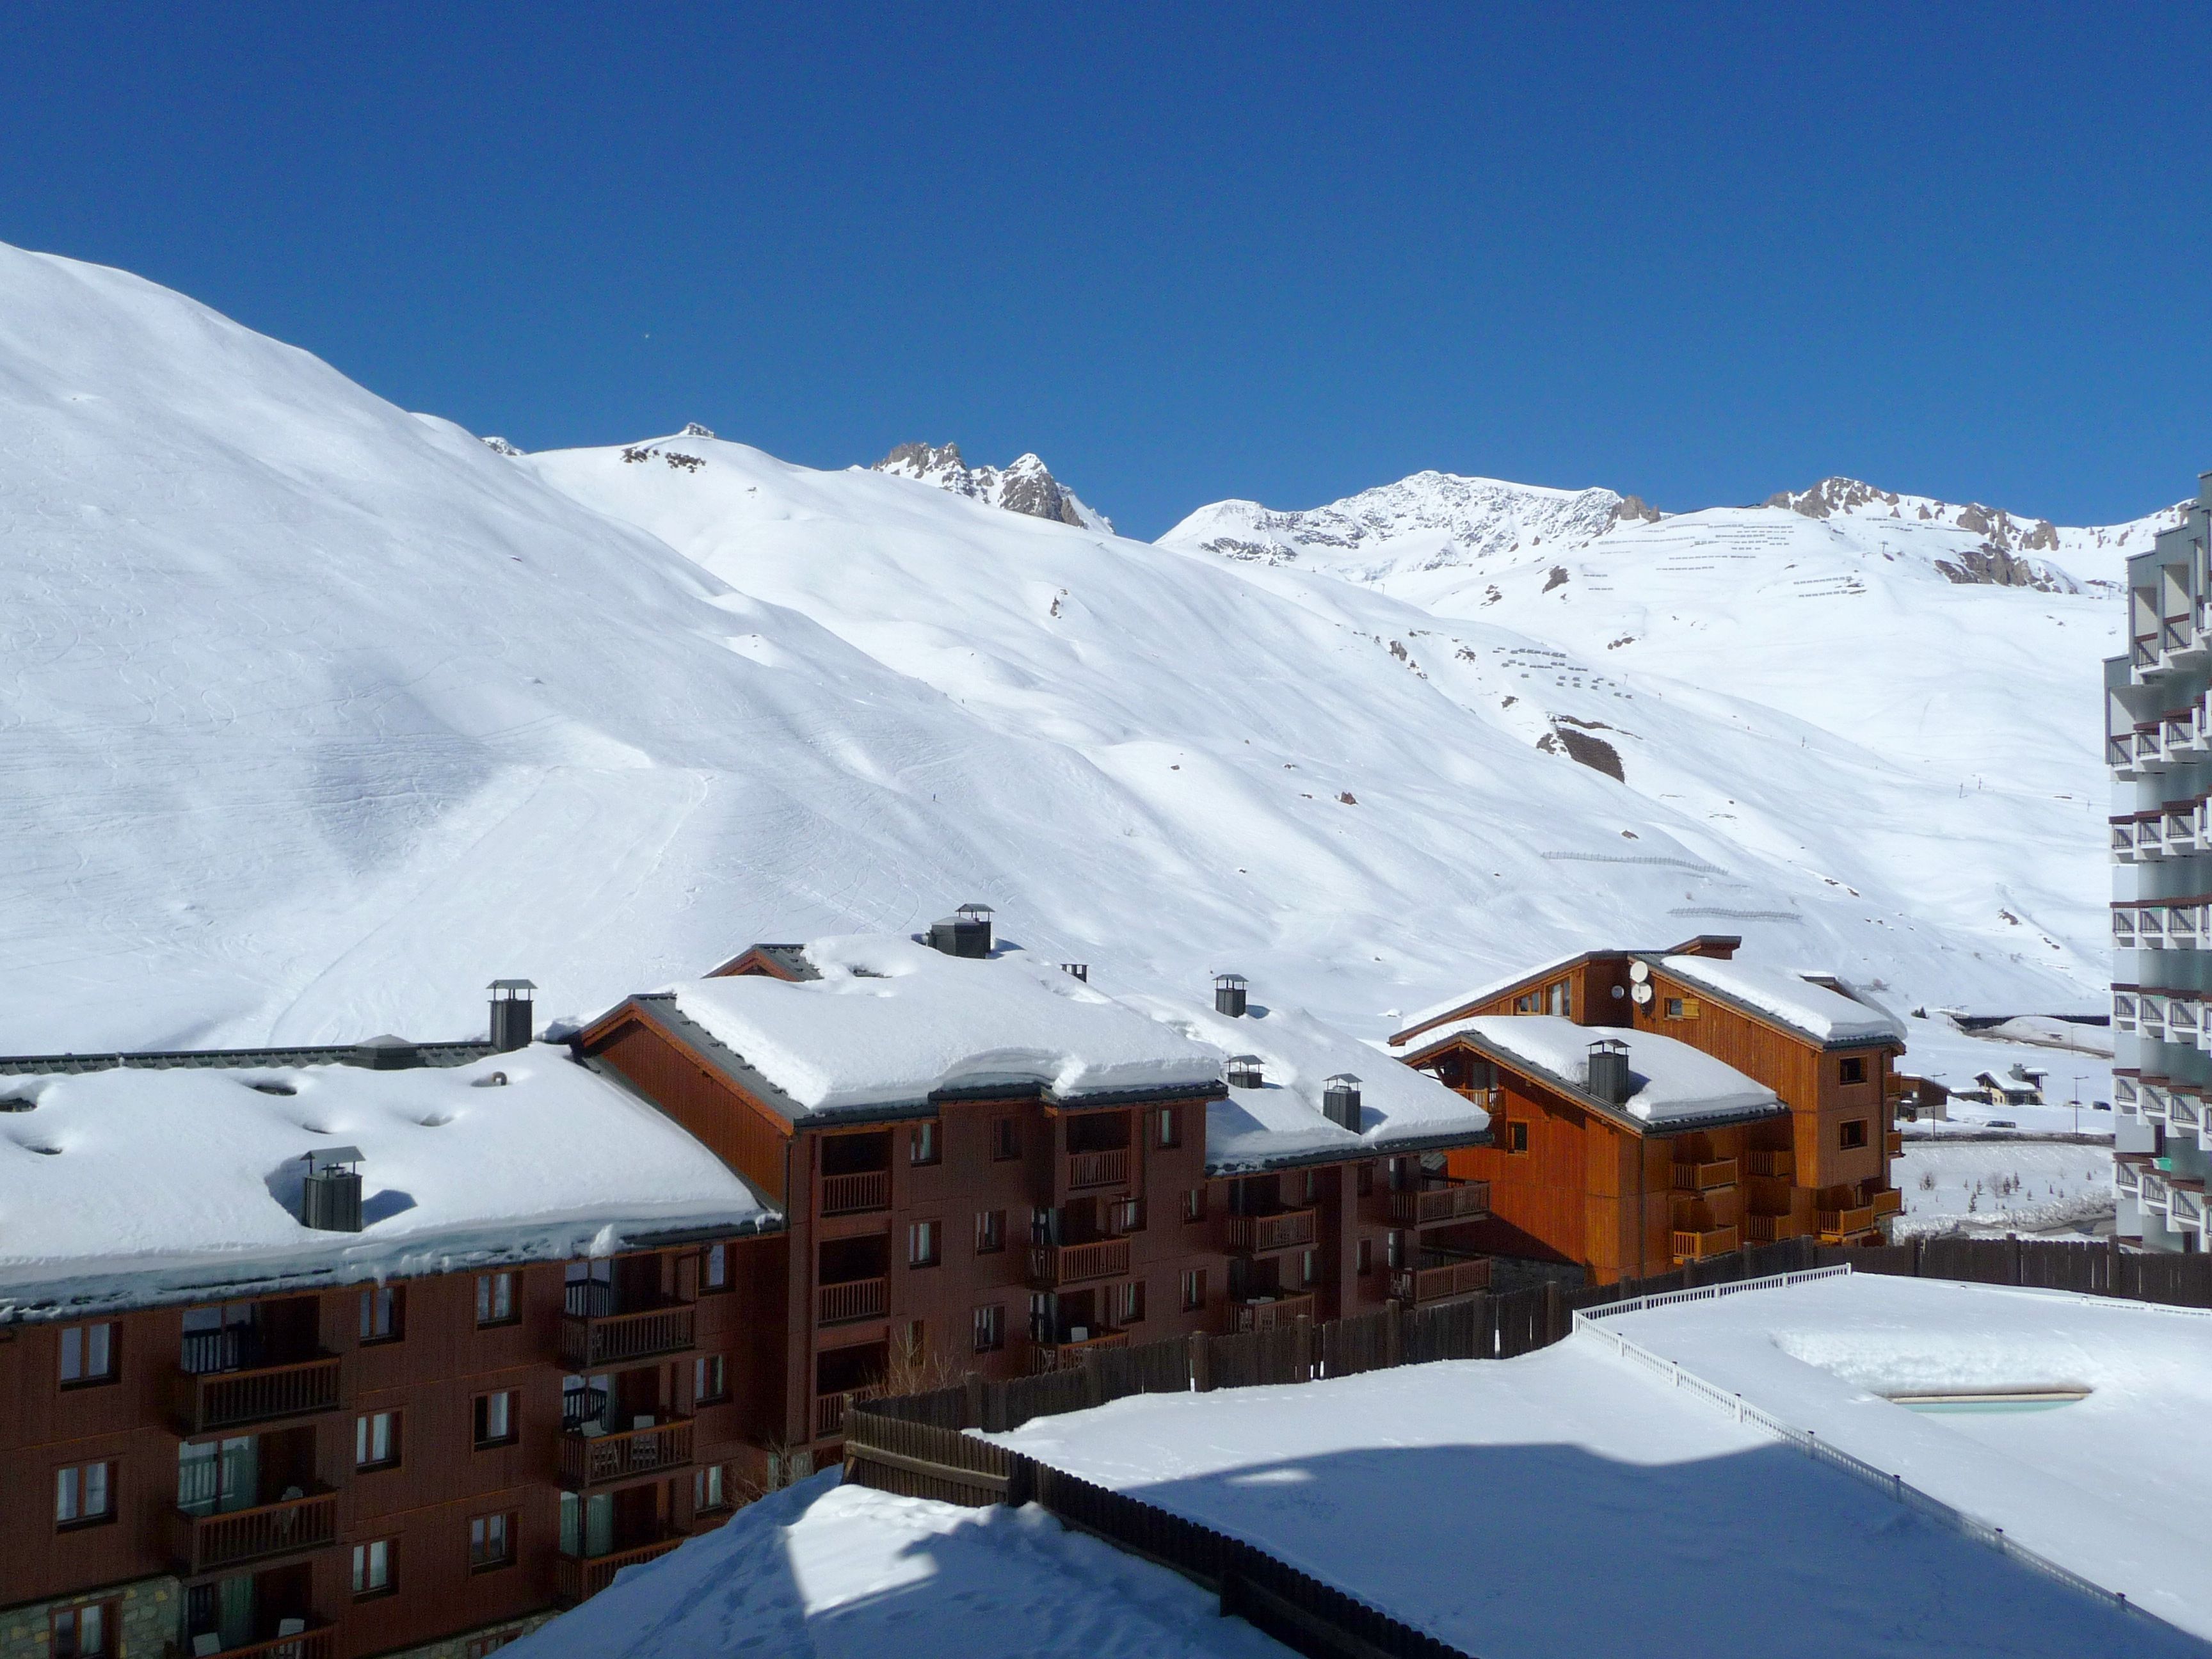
(890,1023)
(1282,1121)
(129,1187)
(1484,992)
(1794,999)
(1671,1083)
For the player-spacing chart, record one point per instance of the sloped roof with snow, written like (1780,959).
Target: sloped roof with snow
(888,1022)
(1790,998)
(1672,1085)
(129,1187)
(1484,992)
(1282,1122)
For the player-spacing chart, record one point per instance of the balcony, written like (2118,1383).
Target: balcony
(317,1641)
(605,1459)
(1781,1165)
(856,1194)
(1052,1266)
(1441,1277)
(578,1578)
(1268,1313)
(1893,1143)
(856,1299)
(1773,1229)
(206,1400)
(829,1409)
(1885,1200)
(1697,1245)
(1106,1169)
(219,1542)
(1708,1176)
(1058,1356)
(588,1342)
(1434,1204)
(1256,1235)
(1837,1225)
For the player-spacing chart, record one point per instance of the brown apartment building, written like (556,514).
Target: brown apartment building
(1615,1152)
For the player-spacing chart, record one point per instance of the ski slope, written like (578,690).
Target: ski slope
(319,714)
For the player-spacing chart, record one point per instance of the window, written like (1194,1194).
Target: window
(382,1311)
(1126,1215)
(715,1267)
(1128,1302)
(1005,1138)
(1527,1002)
(1313,1186)
(990,1328)
(495,1299)
(1193,1289)
(990,1231)
(1673,1007)
(373,1567)
(1853,1134)
(921,1245)
(921,1143)
(1308,1268)
(376,1440)
(491,1543)
(710,1379)
(1364,1256)
(1393,1250)
(1559,1000)
(710,1489)
(84,1494)
(497,1418)
(1853,1069)
(1170,1127)
(85,1632)
(1193,1205)
(1517,1136)
(1366,1179)
(89,1354)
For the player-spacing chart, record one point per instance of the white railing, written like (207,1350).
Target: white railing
(1709,1292)
(2123,1013)
(1899,1489)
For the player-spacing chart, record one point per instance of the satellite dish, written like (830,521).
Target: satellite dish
(1640,971)
(1642,993)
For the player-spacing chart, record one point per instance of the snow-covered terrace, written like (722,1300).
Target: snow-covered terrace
(129,1187)
(1671,1085)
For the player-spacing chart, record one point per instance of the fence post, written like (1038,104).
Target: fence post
(1094,1384)
(1394,1339)
(1302,1361)
(2112,1264)
(1553,1326)
(1201,1365)
(971,1402)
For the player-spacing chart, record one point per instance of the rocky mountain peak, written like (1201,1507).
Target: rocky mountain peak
(1025,486)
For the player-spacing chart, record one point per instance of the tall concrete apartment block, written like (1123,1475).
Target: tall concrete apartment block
(2158,743)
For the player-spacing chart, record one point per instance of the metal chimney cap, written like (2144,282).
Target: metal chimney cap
(512,985)
(320,1158)
(1608,1046)
(1222,981)
(975,910)
(1351,1078)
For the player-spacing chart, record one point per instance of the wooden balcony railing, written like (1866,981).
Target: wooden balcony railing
(1887,1201)
(1106,1169)
(618,1338)
(1054,1265)
(1838,1224)
(1057,1356)
(1441,1281)
(1252,1234)
(1771,1229)
(829,1409)
(1696,1244)
(317,1641)
(578,1578)
(206,1402)
(1705,1177)
(1893,1143)
(1280,1310)
(205,1543)
(855,1298)
(599,1460)
(1457,1201)
(854,1194)
(1780,1164)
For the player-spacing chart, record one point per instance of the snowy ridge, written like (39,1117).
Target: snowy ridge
(1027,486)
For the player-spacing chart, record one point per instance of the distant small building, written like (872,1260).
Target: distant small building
(2021,1087)
(1922,1099)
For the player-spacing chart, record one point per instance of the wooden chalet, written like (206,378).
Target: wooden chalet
(1576,1174)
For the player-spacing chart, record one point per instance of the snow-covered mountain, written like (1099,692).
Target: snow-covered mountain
(1027,486)
(317,715)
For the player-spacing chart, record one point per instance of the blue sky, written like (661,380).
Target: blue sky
(1185,252)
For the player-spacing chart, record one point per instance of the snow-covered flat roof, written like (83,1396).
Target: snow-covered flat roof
(890,1022)
(1793,999)
(1670,1082)
(2111,1487)
(128,1187)
(1281,1121)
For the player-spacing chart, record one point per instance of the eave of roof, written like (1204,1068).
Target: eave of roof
(1400,1147)
(1541,971)
(1656,961)
(1583,1098)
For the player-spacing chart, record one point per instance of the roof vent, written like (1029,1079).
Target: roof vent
(965,933)
(330,1199)
(386,1053)
(1244,1072)
(1340,1101)
(1229,995)
(1608,1071)
(510,1014)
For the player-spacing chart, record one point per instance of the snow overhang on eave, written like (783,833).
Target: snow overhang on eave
(1582,1097)
(1401,1146)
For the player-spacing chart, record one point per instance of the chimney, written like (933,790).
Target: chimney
(1081,970)
(1608,1071)
(1340,1101)
(330,1199)
(510,1014)
(965,933)
(1244,1072)
(1229,995)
